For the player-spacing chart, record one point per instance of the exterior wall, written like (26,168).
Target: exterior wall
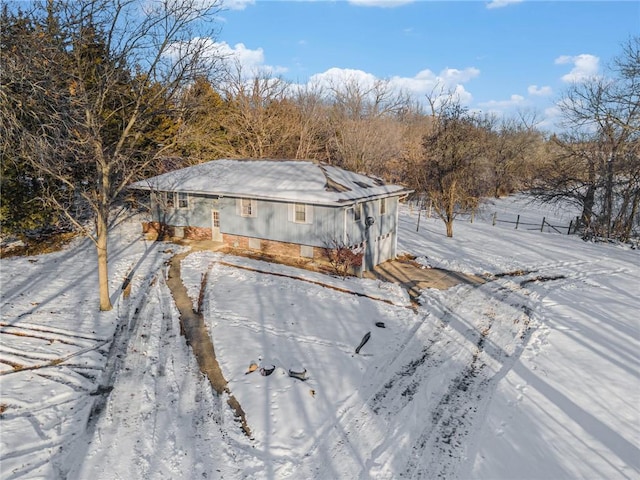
(379,238)
(198,214)
(269,247)
(192,233)
(272,221)
(197,233)
(279,235)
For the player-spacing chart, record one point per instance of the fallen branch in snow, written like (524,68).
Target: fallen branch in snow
(314,282)
(55,362)
(365,339)
(300,375)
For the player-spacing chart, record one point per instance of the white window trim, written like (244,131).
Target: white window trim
(308,213)
(168,199)
(176,200)
(253,207)
(357,208)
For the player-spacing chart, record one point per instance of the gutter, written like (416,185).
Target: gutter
(403,193)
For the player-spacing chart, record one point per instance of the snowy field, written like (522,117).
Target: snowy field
(533,375)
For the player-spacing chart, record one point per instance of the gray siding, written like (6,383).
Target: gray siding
(357,232)
(272,221)
(198,214)
(380,237)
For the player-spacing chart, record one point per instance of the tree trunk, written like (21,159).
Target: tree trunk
(103,270)
(608,195)
(449,224)
(587,206)
(632,215)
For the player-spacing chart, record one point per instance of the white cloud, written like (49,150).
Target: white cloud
(539,91)
(585,66)
(237,4)
(380,3)
(453,75)
(426,81)
(513,102)
(551,118)
(501,3)
(250,61)
(423,83)
(337,76)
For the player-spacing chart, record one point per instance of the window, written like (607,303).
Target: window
(183,200)
(246,207)
(216,219)
(357,212)
(300,213)
(383,206)
(168,199)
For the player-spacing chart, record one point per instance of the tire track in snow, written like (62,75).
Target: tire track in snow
(442,445)
(358,442)
(356,419)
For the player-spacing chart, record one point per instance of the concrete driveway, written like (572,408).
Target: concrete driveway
(415,277)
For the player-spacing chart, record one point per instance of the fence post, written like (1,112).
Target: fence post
(419,212)
(430,207)
(473,213)
(517,222)
(569,229)
(495,215)
(542,226)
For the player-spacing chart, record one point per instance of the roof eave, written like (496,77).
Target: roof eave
(338,202)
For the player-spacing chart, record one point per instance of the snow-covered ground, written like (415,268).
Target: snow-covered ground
(534,374)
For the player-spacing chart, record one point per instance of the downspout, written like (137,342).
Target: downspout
(395,230)
(344,225)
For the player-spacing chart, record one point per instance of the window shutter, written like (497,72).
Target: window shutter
(238,206)
(291,212)
(254,208)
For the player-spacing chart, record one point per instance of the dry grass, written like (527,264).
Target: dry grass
(50,244)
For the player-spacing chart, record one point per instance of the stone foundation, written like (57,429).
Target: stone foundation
(270,247)
(156,229)
(197,233)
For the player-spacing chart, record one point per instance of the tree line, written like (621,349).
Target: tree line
(95,94)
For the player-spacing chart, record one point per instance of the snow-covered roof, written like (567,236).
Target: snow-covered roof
(299,181)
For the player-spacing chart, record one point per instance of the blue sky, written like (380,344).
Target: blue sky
(502,56)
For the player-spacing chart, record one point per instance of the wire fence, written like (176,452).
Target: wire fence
(543,226)
(519,221)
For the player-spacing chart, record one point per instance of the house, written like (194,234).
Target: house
(292,208)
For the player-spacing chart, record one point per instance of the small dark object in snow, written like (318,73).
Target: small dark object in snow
(380,324)
(365,339)
(300,375)
(266,371)
(102,390)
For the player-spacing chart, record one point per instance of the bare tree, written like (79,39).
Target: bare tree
(598,166)
(366,135)
(450,174)
(124,64)
(513,145)
(257,108)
